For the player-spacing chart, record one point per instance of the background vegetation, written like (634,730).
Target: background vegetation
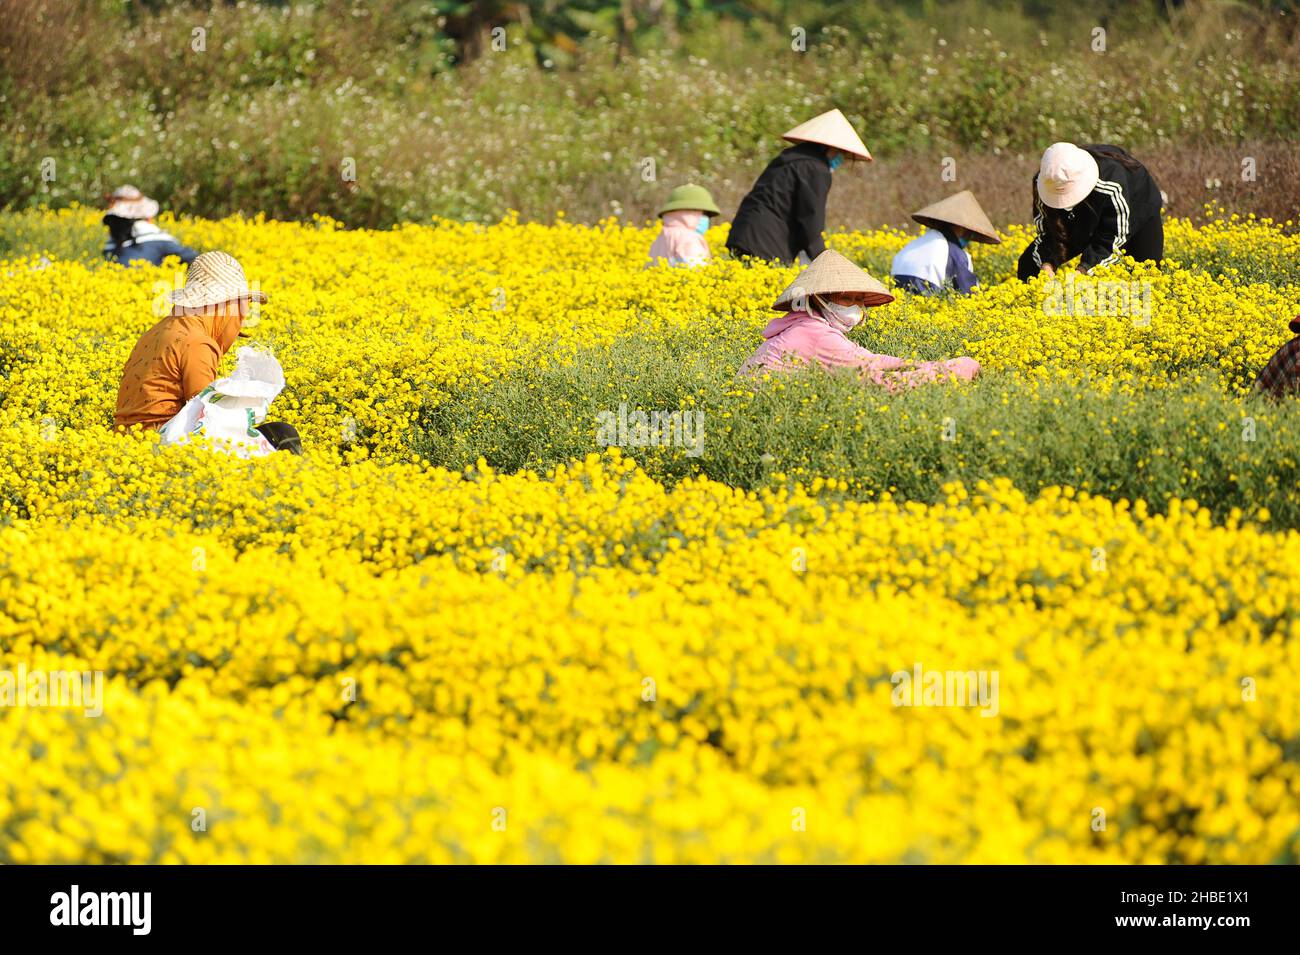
(397,110)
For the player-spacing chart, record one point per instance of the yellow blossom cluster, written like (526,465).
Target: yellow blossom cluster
(587,666)
(374,326)
(354,656)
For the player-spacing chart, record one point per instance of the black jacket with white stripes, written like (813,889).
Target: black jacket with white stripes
(1098,228)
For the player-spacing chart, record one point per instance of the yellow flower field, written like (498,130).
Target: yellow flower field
(358,656)
(638,674)
(368,324)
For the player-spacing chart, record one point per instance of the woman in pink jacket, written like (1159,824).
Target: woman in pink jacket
(822,304)
(685,218)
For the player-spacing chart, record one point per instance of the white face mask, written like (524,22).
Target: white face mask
(842,317)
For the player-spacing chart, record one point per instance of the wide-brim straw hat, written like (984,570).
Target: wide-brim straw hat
(830,129)
(1066,176)
(964,210)
(829,273)
(128,202)
(214,278)
(693,197)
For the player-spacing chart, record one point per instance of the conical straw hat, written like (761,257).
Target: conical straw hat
(964,210)
(831,272)
(830,129)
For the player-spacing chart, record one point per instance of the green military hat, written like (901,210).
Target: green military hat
(691,196)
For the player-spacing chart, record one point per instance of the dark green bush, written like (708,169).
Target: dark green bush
(1188,439)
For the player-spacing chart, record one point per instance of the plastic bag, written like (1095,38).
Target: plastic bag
(228,410)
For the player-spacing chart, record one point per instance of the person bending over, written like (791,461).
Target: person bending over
(1096,202)
(782,217)
(822,305)
(132,235)
(937,259)
(177,358)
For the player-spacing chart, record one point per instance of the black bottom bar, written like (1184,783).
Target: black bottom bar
(363,904)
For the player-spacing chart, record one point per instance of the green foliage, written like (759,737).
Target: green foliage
(1188,439)
(262,118)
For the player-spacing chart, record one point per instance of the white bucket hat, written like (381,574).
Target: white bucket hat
(1066,175)
(214,278)
(830,129)
(128,202)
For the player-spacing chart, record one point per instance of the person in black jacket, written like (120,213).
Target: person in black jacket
(1096,202)
(784,213)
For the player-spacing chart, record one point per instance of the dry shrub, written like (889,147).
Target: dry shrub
(47,44)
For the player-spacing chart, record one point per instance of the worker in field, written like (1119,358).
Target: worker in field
(178,357)
(132,235)
(1280,378)
(783,215)
(1095,202)
(684,221)
(822,305)
(938,259)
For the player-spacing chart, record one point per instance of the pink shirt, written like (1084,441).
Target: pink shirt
(800,338)
(678,243)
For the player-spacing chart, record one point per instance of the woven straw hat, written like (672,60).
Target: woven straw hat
(1066,175)
(964,210)
(128,202)
(830,273)
(830,129)
(214,278)
(691,196)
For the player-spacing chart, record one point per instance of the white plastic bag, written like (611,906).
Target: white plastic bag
(228,410)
